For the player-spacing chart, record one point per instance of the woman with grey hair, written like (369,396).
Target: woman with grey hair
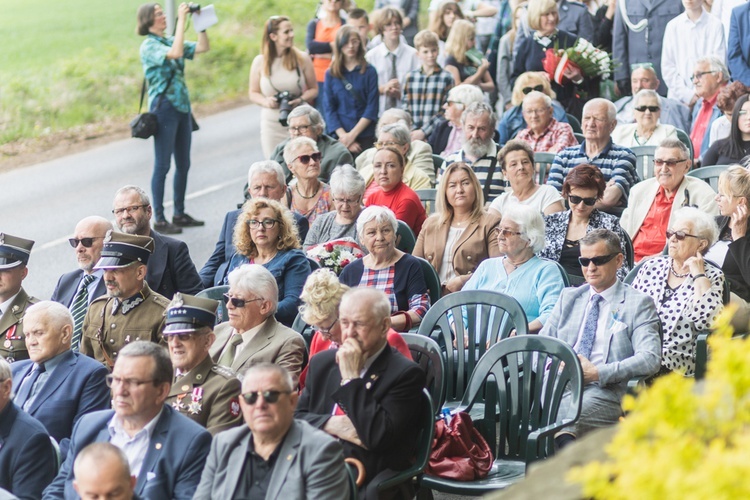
(347,190)
(686,288)
(387,268)
(534,282)
(646,131)
(309,196)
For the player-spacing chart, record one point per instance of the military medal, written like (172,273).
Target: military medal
(195,407)
(7,343)
(177,404)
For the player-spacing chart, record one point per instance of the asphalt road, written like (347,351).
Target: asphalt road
(44,202)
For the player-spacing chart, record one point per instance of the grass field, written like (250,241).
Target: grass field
(72,63)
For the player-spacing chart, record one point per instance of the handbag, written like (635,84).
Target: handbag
(459,451)
(144,125)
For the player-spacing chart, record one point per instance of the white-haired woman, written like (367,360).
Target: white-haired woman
(309,196)
(646,131)
(534,282)
(398,274)
(347,190)
(687,290)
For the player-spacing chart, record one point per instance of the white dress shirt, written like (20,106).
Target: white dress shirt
(406,60)
(4,306)
(135,447)
(598,356)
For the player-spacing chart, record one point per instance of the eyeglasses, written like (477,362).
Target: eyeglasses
(182,337)
(698,76)
(575,200)
(344,201)
(129,210)
(326,331)
(305,159)
(507,233)
(382,144)
(269,397)
(266,223)
(300,130)
(228,299)
(667,163)
(535,111)
(454,103)
(86,242)
(111,380)
(598,261)
(680,235)
(538,88)
(643,109)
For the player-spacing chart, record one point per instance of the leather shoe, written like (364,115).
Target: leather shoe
(185,220)
(165,227)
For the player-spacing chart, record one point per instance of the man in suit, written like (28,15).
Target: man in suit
(252,334)
(14,256)
(265,180)
(57,386)
(613,328)
(273,456)
(102,471)
(166,452)
(77,289)
(738,44)
(27,459)
(365,393)
(170,268)
(202,390)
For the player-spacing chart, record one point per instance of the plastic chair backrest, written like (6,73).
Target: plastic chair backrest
(543,164)
(427,354)
(579,137)
(56,454)
(432,279)
(405,239)
(217,293)
(521,381)
(427,197)
(481,317)
(437,162)
(563,272)
(303,329)
(710,174)
(627,245)
(685,139)
(314,264)
(574,123)
(644,160)
(633,272)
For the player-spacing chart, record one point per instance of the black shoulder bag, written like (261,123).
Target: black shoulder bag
(144,125)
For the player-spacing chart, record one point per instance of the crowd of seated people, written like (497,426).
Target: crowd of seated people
(397,163)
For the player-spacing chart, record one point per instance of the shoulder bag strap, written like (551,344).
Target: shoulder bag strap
(350,88)
(143,93)
(143,87)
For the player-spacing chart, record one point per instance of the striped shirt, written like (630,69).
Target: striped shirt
(424,96)
(482,167)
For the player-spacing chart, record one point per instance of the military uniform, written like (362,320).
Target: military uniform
(12,341)
(209,395)
(111,323)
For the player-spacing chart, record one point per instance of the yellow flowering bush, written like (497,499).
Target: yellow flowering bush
(681,439)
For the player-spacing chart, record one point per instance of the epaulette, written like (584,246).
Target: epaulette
(223,371)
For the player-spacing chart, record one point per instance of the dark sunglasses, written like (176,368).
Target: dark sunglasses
(269,397)
(538,88)
(305,159)
(598,261)
(575,200)
(237,302)
(86,242)
(642,109)
(680,235)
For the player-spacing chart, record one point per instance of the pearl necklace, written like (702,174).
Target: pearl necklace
(675,274)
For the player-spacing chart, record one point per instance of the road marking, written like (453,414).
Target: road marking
(191,196)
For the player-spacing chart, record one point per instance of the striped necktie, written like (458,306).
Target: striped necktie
(79,308)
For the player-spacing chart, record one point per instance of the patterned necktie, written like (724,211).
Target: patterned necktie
(24,392)
(228,357)
(589,329)
(392,102)
(79,308)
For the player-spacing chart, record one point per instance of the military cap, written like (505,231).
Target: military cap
(187,313)
(14,251)
(121,250)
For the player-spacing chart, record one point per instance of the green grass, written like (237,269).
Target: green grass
(72,63)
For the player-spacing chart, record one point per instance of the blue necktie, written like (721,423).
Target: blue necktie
(589,329)
(27,384)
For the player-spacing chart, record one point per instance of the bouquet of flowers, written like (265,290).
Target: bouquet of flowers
(336,254)
(575,63)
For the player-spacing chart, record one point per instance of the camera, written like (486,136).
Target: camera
(194,7)
(283,99)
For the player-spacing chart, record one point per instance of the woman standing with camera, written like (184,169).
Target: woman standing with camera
(281,78)
(163,60)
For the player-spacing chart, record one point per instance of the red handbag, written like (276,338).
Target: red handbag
(459,451)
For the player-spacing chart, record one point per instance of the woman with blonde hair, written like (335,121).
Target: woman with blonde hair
(265,234)
(441,22)
(279,68)
(460,41)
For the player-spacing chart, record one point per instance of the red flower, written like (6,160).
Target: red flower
(329,247)
(344,263)
(550,62)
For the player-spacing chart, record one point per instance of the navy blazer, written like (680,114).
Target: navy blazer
(67,286)
(738,45)
(215,269)
(170,268)
(27,458)
(75,388)
(171,468)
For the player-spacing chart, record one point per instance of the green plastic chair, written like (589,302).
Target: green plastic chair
(574,123)
(644,160)
(629,252)
(431,278)
(710,174)
(303,329)
(405,239)
(685,139)
(480,316)
(427,197)
(437,162)
(217,293)
(521,380)
(543,164)
(427,354)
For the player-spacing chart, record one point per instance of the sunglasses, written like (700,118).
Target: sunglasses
(680,235)
(305,159)
(86,242)
(598,261)
(269,397)
(538,88)
(182,337)
(575,200)
(668,163)
(228,299)
(643,109)
(507,233)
